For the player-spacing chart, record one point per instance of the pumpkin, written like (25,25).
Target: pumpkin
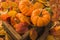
(4,17)
(33,34)
(38,5)
(12,13)
(26,7)
(21,27)
(22,18)
(40,17)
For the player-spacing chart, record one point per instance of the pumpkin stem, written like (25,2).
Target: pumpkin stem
(41,14)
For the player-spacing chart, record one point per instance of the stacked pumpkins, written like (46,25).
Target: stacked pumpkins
(39,17)
(29,14)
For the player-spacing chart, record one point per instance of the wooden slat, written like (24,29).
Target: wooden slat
(44,35)
(11,31)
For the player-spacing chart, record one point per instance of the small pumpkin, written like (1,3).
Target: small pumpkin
(4,17)
(21,27)
(38,5)
(25,7)
(22,18)
(40,17)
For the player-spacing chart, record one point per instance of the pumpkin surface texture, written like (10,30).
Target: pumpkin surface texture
(22,18)
(25,7)
(40,17)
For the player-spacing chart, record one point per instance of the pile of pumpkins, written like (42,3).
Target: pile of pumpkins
(29,14)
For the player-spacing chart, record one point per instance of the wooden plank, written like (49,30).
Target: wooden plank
(44,35)
(11,31)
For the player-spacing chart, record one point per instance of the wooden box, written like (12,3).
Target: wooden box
(42,32)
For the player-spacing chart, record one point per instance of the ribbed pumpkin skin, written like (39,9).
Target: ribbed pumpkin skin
(40,17)
(25,7)
(38,5)
(22,18)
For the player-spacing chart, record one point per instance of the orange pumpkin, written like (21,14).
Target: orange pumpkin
(21,27)
(40,17)
(4,17)
(22,18)
(38,5)
(25,7)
